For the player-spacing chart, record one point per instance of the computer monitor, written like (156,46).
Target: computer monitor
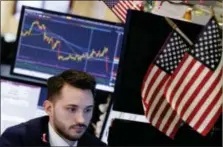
(18,102)
(50,42)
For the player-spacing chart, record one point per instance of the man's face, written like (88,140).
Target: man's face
(71,113)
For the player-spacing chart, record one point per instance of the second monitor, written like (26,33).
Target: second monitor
(50,42)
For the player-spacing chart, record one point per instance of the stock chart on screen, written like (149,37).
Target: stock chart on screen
(49,43)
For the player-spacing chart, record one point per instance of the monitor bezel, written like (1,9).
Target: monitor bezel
(56,13)
(24,81)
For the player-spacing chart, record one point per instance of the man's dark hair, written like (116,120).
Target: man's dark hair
(74,78)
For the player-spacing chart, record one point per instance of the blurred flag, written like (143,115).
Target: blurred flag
(157,110)
(120,7)
(195,88)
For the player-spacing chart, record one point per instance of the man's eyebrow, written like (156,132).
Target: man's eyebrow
(90,106)
(72,105)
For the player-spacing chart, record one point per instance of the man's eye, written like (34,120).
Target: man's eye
(88,110)
(72,110)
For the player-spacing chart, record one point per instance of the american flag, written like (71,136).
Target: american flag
(120,7)
(195,88)
(157,110)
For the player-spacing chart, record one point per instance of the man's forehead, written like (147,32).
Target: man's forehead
(74,91)
(76,101)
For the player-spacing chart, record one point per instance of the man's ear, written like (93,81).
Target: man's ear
(48,107)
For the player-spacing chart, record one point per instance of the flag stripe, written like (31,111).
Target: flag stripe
(174,125)
(121,9)
(177,121)
(156,113)
(135,5)
(184,104)
(145,106)
(118,13)
(216,103)
(154,95)
(152,70)
(213,120)
(124,8)
(171,126)
(163,115)
(204,102)
(186,60)
(129,4)
(170,123)
(124,5)
(185,78)
(158,98)
(156,120)
(187,90)
(151,85)
(201,94)
(180,75)
(165,119)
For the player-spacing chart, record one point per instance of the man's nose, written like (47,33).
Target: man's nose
(80,118)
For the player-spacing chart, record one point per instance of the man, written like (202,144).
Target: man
(69,106)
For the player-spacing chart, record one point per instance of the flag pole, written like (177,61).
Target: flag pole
(212,11)
(174,26)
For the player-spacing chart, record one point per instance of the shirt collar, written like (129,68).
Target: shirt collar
(56,140)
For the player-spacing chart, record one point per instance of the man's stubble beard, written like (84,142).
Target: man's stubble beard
(61,130)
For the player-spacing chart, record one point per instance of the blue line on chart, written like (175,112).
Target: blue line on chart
(46,49)
(67,42)
(59,37)
(73,50)
(50,65)
(40,63)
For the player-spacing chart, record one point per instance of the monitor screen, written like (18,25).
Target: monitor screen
(50,42)
(18,102)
